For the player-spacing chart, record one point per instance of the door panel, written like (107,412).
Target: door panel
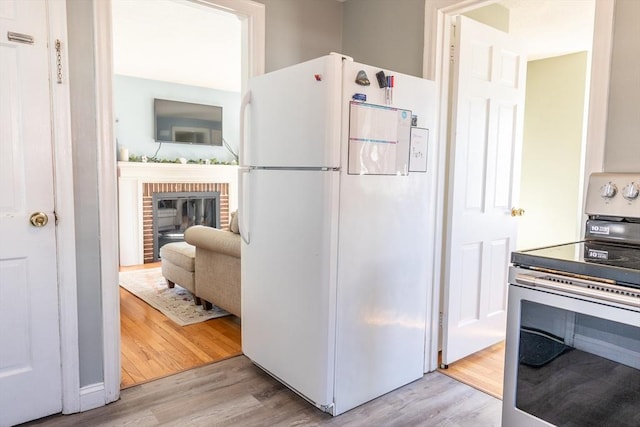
(476,154)
(15,330)
(470,295)
(504,154)
(488,95)
(499,250)
(30,373)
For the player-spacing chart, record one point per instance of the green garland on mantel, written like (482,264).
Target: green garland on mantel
(214,161)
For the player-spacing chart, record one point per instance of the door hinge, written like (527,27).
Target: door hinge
(59,61)
(441,319)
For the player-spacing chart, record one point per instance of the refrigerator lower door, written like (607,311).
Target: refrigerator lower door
(289,277)
(382,286)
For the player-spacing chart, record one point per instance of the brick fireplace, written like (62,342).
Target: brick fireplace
(148,190)
(137,182)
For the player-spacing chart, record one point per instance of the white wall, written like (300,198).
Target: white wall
(133,99)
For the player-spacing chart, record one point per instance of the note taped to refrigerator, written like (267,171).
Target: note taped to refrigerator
(379,140)
(419,148)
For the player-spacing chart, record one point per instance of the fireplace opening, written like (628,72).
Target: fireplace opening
(174,212)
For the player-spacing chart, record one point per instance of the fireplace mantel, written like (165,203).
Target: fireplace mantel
(131,178)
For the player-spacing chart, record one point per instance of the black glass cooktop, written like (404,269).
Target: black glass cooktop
(611,261)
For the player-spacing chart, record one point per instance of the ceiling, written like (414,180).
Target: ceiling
(179,42)
(189,43)
(552,27)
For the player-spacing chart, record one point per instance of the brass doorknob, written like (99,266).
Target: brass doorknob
(39,219)
(517,212)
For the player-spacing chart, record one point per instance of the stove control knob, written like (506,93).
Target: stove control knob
(608,190)
(631,191)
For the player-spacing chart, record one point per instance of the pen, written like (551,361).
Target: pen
(386,89)
(389,89)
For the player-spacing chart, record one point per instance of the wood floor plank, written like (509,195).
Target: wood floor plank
(483,370)
(153,346)
(235,392)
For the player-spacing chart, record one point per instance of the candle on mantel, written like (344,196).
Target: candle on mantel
(124,154)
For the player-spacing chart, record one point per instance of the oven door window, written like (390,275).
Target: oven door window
(575,369)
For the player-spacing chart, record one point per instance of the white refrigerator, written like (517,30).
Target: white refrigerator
(336,218)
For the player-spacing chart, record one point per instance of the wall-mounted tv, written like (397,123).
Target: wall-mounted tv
(187,123)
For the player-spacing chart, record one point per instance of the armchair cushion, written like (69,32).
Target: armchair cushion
(179,253)
(214,240)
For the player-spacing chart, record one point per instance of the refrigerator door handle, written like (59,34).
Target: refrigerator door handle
(246,100)
(244,229)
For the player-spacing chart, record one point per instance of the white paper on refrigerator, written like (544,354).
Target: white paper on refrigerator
(379,139)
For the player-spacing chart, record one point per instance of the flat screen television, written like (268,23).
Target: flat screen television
(187,123)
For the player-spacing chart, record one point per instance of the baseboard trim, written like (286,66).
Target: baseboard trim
(92,396)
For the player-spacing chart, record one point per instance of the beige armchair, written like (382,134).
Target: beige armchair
(217,266)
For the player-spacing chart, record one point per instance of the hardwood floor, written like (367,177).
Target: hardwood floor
(235,392)
(483,370)
(152,346)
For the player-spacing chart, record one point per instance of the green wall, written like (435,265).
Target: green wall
(552,145)
(494,15)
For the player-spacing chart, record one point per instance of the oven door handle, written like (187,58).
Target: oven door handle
(613,293)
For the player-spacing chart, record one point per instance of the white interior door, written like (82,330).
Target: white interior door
(488,80)
(30,373)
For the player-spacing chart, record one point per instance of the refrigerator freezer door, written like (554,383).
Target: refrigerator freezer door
(294,116)
(288,277)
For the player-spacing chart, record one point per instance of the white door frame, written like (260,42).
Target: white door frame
(64,209)
(252,15)
(437,41)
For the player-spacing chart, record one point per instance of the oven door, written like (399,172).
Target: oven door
(570,359)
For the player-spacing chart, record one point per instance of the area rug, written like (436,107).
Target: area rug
(175,303)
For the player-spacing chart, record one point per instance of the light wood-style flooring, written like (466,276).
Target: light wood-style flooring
(235,392)
(483,370)
(153,346)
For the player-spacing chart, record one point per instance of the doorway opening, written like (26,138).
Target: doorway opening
(540,67)
(189,51)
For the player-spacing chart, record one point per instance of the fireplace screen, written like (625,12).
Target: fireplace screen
(174,212)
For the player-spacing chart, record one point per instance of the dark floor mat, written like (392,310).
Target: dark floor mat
(537,348)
